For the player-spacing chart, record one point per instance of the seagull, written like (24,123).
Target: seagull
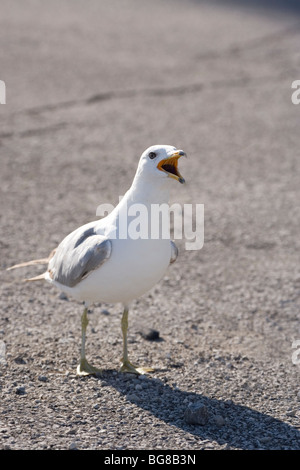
(98,263)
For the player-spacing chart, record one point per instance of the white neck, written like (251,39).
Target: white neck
(145,191)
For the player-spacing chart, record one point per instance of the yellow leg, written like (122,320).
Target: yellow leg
(84,368)
(126,364)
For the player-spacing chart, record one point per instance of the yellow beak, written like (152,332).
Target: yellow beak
(170,165)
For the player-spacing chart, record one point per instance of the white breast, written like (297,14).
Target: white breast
(134,267)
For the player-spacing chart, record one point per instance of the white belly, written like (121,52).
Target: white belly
(134,267)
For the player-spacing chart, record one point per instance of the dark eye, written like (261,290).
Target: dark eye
(152,155)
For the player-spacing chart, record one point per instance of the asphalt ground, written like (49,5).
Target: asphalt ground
(89,86)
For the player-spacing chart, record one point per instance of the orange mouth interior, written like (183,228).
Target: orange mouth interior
(170,166)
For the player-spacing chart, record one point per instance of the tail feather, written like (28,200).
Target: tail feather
(29,263)
(33,262)
(40,277)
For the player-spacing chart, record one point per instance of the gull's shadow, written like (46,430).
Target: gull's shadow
(230,424)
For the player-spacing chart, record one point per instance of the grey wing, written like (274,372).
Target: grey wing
(78,255)
(174,252)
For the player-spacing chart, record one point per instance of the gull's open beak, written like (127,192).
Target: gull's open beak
(170,165)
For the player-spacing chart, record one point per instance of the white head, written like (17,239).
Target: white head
(159,163)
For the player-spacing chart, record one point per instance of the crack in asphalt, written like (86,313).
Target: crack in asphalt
(124,94)
(252,43)
(176,90)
